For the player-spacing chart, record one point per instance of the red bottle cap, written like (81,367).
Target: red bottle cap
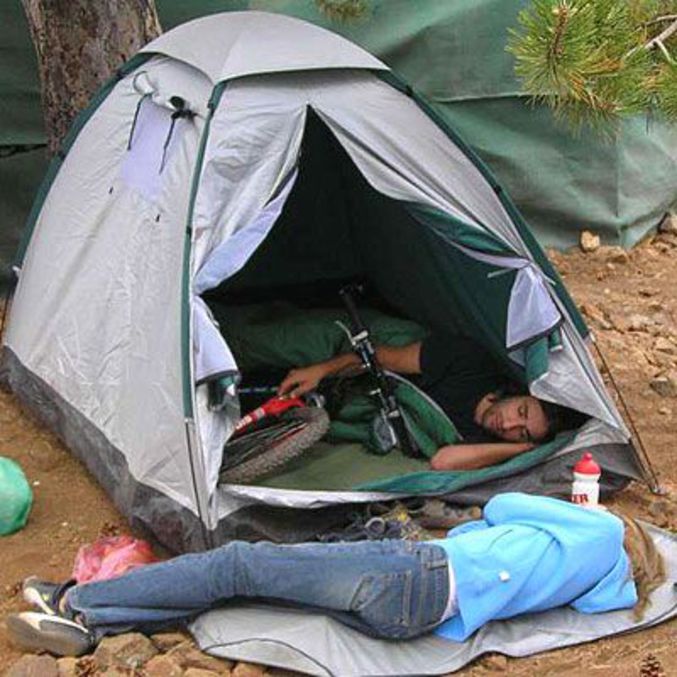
(587,465)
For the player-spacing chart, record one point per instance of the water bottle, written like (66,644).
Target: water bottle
(585,488)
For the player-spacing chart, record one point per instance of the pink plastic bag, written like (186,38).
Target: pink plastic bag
(109,557)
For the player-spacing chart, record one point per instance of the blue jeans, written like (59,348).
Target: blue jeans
(392,589)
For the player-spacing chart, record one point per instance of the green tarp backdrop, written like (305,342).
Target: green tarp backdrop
(454,54)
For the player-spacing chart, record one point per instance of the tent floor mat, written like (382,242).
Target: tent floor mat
(340,467)
(318,645)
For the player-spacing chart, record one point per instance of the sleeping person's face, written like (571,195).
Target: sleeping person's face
(514,419)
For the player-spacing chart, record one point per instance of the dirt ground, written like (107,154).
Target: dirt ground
(630,303)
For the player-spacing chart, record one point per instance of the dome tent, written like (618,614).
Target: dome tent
(260,149)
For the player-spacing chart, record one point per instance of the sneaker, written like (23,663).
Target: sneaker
(44,595)
(45,632)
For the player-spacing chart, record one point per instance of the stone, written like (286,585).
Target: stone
(196,672)
(662,360)
(496,662)
(67,667)
(162,666)
(661,510)
(164,641)
(33,666)
(130,650)
(638,323)
(589,241)
(665,386)
(668,224)
(248,670)
(664,411)
(189,656)
(597,315)
(665,346)
(614,255)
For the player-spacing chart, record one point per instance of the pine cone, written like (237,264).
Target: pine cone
(651,667)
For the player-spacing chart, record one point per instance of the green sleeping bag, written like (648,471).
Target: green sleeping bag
(283,336)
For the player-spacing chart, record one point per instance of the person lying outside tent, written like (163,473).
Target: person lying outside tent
(527,554)
(496,422)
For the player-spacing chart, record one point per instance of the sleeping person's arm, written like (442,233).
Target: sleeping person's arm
(402,359)
(474,456)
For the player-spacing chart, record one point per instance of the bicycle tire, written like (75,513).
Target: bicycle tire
(279,450)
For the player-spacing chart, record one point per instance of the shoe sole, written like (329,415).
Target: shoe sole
(57,642)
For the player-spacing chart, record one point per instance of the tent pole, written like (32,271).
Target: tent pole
(648,470)
(207,539)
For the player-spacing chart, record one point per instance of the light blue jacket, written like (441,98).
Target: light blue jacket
(532,553)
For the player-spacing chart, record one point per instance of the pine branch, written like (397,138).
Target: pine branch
(595,61)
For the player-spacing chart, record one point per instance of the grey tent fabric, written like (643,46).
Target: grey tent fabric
(107,316)
(317,645)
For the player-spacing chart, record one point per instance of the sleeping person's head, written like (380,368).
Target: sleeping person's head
(524,418)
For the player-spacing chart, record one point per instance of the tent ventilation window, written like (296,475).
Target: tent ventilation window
(155,134)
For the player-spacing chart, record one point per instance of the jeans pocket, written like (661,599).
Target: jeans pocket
(383,600)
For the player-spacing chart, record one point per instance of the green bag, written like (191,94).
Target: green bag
(16,497)
(429,426)
(282,335)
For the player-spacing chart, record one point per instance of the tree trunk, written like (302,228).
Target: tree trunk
(80,44)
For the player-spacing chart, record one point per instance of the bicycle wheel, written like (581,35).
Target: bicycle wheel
(252,455)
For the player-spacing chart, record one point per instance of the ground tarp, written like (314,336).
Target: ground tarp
(318,645)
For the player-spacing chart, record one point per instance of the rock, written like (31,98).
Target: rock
(248,670)
(665,386)
(196,672)
(662,512)
(664,411)
(495,662)
(613,255)
(67,667)
(668,224)
(162,666)
(589,241)
(130,650)
(645,291)
(187,655)
(661,360)
(33,666)
(596,314)
(665,346)
(164,641)
(638,323)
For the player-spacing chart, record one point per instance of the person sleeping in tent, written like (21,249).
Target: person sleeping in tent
(494,419)
(527,554)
